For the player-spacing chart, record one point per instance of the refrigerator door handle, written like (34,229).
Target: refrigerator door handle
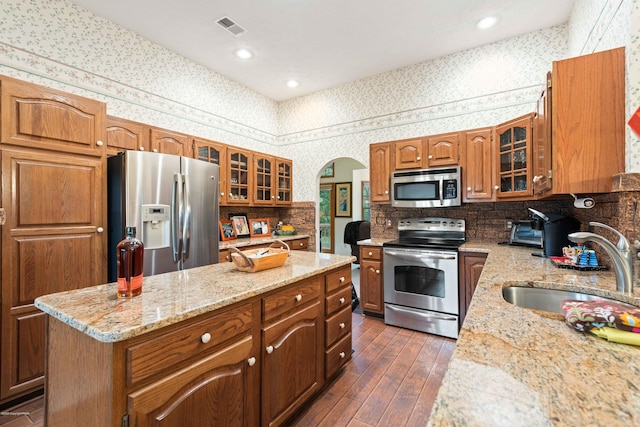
(176,217)
(186,227)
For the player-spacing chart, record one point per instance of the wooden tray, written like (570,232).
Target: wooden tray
(260,259)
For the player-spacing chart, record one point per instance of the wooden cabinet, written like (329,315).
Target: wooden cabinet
(292,369)
(470,268)
(478,161)
(442,150)
(239,174)
(263,190)
(126,135)
(371,280)
(380,172)
(337,320)
(514,166)
(216,153)
(299,244)
(284,182)
(54,201)
(588,122)
(170,142)
(541,152)
(408,154)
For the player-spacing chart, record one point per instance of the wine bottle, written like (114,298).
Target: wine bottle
(130,265)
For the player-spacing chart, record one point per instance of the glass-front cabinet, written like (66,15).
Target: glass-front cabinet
(263,169)
(514,158)
(284,183)
(238,176)
(213,152)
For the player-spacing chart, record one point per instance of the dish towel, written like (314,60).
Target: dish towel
(616,335)
(612,321)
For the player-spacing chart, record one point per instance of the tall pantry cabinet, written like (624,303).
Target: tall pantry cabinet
(52,167)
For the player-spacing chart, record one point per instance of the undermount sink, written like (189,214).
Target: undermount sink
(546,299)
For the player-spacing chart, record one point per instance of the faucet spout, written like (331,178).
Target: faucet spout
(620,254)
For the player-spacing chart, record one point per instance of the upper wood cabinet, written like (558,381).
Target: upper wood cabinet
(541,150)
(380,156)
(263,179)
(513,168)
(169,142)
(588,122)
(126,135)
(442,150)
(478,161)
(239,176)
(213,152)
(408,154)
(38,117)
(284,181)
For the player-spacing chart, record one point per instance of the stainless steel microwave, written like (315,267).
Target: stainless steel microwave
(426,188)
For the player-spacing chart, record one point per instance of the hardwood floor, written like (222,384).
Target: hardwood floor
(392,380)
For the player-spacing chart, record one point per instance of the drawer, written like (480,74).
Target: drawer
(340,299)
(336,326)
(159,354)
(284,301)
(337,356)
(371,253)
(298,244)
(338,278)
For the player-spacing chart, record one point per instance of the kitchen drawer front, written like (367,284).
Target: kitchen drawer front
(337,356)
(298,244)
(340,299)
(371,253)
(290,299)
(336,326)
(158,354)
(338,278)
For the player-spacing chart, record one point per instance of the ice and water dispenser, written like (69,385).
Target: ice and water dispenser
(156,226)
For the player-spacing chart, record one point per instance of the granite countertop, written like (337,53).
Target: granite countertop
(516,366)
(250,241)
(173,297)
(372,242)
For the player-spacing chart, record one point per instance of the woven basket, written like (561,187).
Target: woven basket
(260,259)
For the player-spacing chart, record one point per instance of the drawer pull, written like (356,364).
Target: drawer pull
(341,279)
(342,355)
(270,349)
(370,253)
(251,361)
(298,297)
(301,244)
(342,325)
(99,143)
(342,300)
(205,338)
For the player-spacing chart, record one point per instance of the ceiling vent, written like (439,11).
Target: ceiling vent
(230,26)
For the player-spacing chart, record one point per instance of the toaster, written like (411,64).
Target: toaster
(523,234)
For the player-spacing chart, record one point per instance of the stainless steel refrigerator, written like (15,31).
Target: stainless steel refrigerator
(173,203)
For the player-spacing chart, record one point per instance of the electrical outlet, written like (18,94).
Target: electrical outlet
(388,223)
(508,224)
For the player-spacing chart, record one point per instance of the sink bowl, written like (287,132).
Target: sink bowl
(546,299)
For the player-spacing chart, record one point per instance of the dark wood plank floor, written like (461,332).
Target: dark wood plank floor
(392,380)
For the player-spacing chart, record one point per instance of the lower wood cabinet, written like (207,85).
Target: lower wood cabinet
(470,268)
(300,244)
(371,280)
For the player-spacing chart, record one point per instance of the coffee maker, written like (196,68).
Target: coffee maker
(555,229)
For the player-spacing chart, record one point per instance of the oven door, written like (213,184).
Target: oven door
(421,278)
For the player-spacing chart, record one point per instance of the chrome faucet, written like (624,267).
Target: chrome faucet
(621,254)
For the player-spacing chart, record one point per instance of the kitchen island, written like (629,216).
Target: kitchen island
(209,343)
(515,366)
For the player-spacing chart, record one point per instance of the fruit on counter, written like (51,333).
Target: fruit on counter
(287,228)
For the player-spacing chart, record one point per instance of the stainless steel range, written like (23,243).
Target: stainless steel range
(421,275)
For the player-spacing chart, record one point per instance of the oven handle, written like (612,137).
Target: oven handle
(423,255)
(427,315)
(440,187)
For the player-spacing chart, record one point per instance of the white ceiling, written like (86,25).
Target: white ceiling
(323,43)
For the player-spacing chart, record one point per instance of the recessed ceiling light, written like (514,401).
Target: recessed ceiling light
(487,22)
(243,54)
(292,83)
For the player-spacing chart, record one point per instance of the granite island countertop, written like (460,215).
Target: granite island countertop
(514,366)
(258,240)
(173,297)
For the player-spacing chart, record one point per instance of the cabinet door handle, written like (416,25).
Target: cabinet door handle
(468,188)
(298,297)
(496,187)
(342,325)
(99,229)
(205,338)
(342,355)
(222,194)
(251,361)
(141,148)
(270,349)
(342,300)
(377,271)
(418,158)
(155,150)
(430,157)
(386,191)
(99,143)
(342,279)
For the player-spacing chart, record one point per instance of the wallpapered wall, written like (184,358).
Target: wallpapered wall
(57,44)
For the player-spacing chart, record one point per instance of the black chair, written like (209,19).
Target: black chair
(355,231)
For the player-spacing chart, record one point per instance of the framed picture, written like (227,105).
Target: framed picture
(227,232)
(240,225)
(343,199)
(328,171)
(259,227)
